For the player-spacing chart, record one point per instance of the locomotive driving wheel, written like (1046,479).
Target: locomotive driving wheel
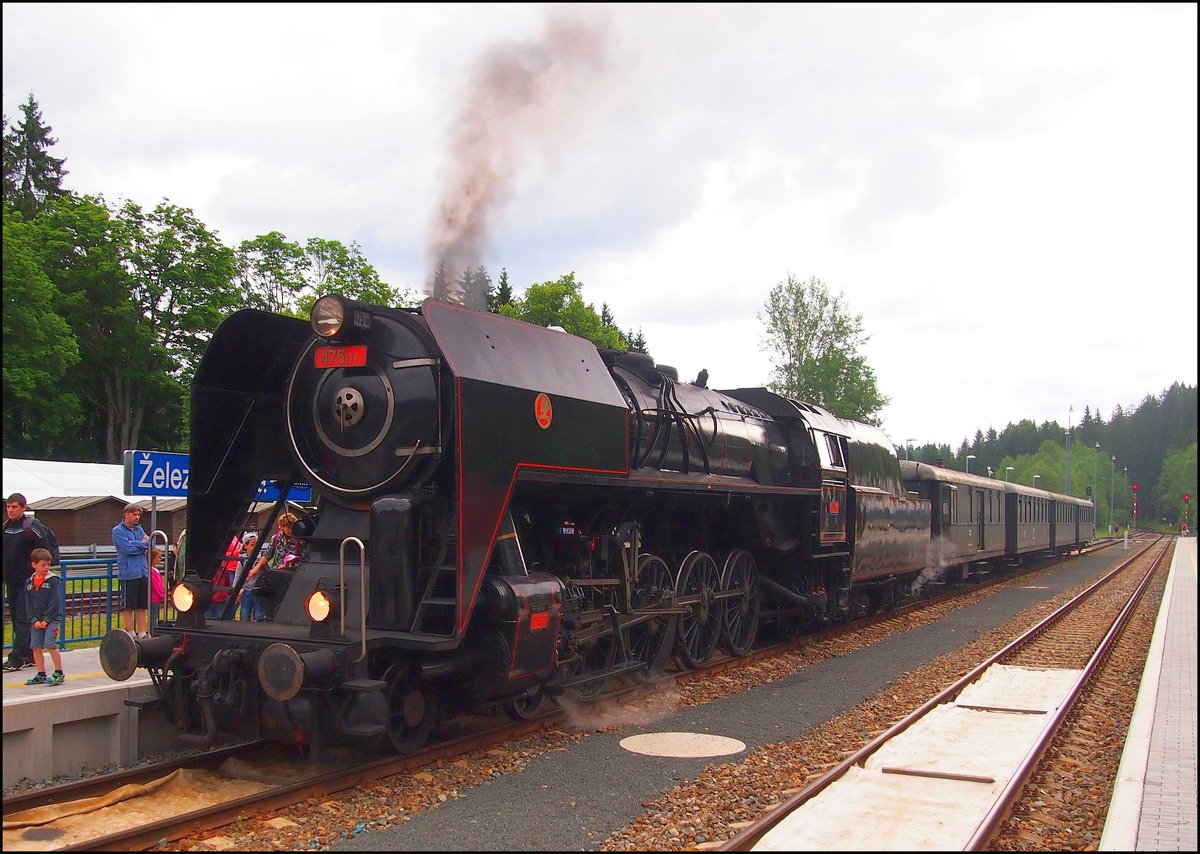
(525,707)
(593,656)
(649,638)
(700,624)
(743,601)
(413,707)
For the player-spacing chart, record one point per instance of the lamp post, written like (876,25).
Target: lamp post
(1067,479)
(908,446)
(1035,480)
(989,471)
(1007,469)
(1112,479)
(1095,476)
(1125,493)
(969,458)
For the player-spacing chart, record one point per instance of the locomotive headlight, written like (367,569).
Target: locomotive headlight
(340,319)
(328,316)
(182,598)
(319,606)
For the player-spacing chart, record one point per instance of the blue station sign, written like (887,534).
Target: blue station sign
(157,473)
(162,474)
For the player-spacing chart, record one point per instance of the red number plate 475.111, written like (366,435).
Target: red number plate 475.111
(341,357)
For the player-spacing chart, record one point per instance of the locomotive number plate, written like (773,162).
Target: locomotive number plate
(341,357)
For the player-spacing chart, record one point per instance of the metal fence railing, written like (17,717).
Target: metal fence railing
(90,595)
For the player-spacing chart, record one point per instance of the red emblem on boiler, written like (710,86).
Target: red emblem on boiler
(543,411)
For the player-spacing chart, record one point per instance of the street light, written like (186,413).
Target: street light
(1035,480)
(989,471)
(1096,477)
(969,458)
(908,446)
(1007,469)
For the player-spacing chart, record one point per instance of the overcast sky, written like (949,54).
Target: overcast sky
(1005,194)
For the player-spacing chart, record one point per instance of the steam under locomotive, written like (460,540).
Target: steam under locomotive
(500,511)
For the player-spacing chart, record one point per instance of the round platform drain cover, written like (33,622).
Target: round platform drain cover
(682,745)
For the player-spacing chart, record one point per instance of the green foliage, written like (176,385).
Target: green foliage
(39,347)
(32,176)
(270,270)
(85,252)
(1178,478)
(1147,445)
(815,344)
(502,295)
(559,303)
(334,268)
(284,277)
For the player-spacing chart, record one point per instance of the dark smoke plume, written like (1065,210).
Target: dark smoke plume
(521,99)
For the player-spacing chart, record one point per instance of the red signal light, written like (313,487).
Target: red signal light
(1135,487)
(1186,497)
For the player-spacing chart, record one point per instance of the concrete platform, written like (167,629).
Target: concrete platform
(1154,802)
(83,723)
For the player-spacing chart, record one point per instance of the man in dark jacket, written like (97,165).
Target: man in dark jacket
(20,539)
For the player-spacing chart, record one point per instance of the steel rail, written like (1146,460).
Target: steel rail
(1011,794)
(749,836)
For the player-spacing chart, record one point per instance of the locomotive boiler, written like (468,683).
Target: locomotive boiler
(500,511)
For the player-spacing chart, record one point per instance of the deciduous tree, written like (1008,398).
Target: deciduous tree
(815,342)
(560,303)
(39,348)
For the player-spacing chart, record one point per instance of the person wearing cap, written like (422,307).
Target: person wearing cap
(249,610)
(133,571)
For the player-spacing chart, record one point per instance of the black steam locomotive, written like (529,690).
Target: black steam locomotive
(501,511)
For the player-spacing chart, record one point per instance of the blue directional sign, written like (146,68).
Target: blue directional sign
(268,490)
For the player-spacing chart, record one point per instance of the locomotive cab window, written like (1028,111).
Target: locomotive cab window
(830,448)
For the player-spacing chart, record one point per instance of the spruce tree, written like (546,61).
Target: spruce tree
(503,294)
(32,176)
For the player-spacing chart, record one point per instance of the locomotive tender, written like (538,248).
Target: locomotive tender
(500,511)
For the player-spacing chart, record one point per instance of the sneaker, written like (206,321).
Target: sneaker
(11,666)
(39,679)
(57,678)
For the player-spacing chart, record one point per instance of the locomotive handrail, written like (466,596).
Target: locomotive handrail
(152,612)
(362,590)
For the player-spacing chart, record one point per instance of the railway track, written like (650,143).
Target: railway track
(280,783)
(932,781)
